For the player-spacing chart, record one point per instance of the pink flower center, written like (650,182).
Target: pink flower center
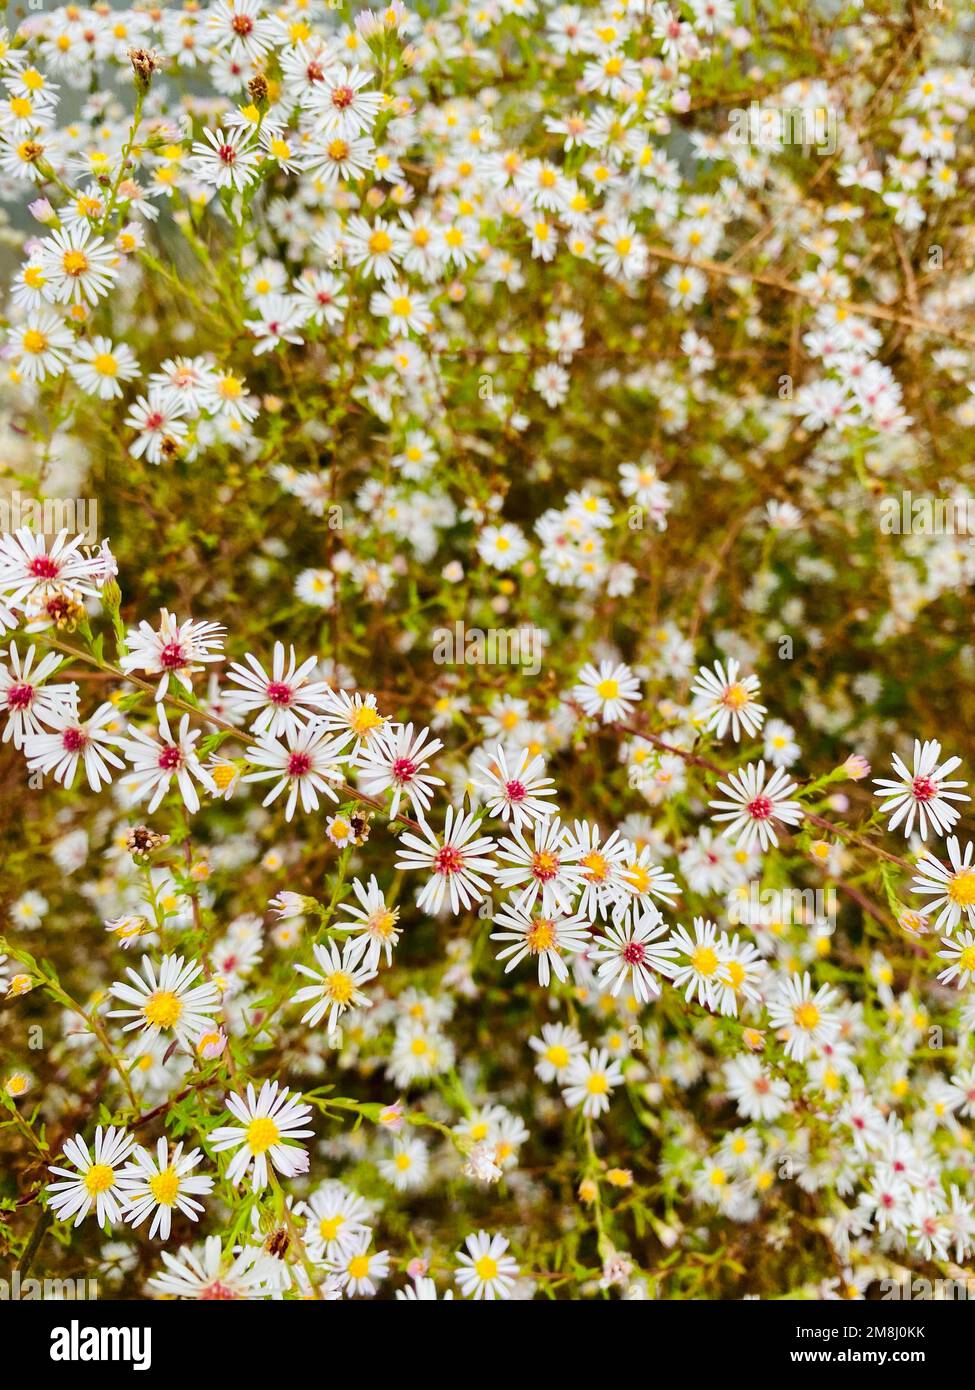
(403,770)
(217,1292)
(19,696)
(73,740)
(170,758)
(760,808)
(448,861)
(634,952)
(154,420)
(172,657)
(279,693)
(299,764)
(924,789)
(43,567)
(227,154)
(515,791)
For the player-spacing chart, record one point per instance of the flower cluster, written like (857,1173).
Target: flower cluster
(441,851)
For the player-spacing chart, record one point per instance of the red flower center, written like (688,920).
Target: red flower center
(924,789)
(242,24)
(227,154)
(279,693)
(403,769)
(217,1293)
(515,791)
(19,696)
(170,758)
(73,740)
(634,952)
(43,567)
(343,97)
(299,764)
(172,657)
(314,72)
(760,808)
(448,861)
(154,420)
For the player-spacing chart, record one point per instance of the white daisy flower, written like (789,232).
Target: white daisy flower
(590,1081)
(336,1219)
(207,1274)
(268,1128)
(725,700)
(752,805)
(159,756)
(172,649)
(545,938)
(611,691)
(305,764)
(280,701)
(486,1272)
(923,793)
(395,759)
(631,952)
(162,1182)
(359,1270)
(98,1184)
(514,793)
(951,890)
(337,982)
(459,865)
(373,922)
(30,704)
(547,865)
(555,1049)
(163,1002)
(807,1019)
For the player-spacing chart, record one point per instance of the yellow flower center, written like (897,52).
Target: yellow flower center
(164,1187)
(99,1178)
(486,1268)
(380,242)
(608,689)
(162,1009)
(735,974)
(558,1056)
(328,1227)
(262,1134)
(339,986)
(359,1267)
(704,960)
(34,341)
(735,696)
(105,364)
(807,1016)
(74,262)
(597,1085)
(961,888)
(382,923)
(596,866)
(541,935)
